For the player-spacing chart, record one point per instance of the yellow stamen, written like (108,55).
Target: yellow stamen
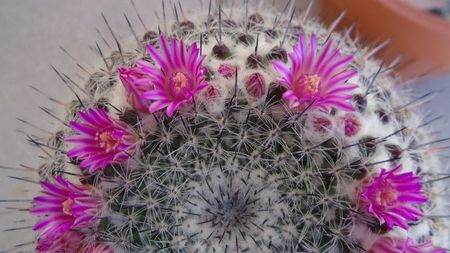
(180,81)
(386,196)
(310,83)
(107,140)
(67,206)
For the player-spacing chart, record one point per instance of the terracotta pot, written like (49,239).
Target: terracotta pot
(422,39)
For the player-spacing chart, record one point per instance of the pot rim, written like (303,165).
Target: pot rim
(417,16)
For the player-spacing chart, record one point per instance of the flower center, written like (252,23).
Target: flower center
(386,195)
(310,83)
(107,140)
(179,81)
(67,206)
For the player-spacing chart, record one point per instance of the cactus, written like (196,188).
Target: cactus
(241,130)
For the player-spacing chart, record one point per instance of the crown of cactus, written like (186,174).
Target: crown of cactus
(241,130)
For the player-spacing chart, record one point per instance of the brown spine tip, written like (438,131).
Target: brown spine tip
(254,20)
(394,150)
(254,61)
(187,27)
(275,94)
(272,33)
(221,51)
(297,30)
(383,116)
(102,103)
(368,145)
(209,73)
(360,102)
(246,39)
(150,37)
(130,116)
(229,23)
(277,53)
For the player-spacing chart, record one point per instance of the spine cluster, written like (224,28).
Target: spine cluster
(242,130)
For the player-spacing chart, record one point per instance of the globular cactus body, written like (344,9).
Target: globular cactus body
(247,148)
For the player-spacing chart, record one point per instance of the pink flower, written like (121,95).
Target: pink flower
(68,242)
(390,197)
(255,85)
(352,124)
(71,242)
(389,245)
(136,82)
(98,248)
(318,77)
(101,140)
(63,206)
(178,79)
(227,71)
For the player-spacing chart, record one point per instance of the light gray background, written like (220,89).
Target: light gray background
(31,32)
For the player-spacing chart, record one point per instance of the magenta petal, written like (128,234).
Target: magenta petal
(82,129)
(46,210)
(280,67)
(157,57)
(390,201)
(155,95)
(47,200)
(319,77)
(391,245)
(324,54)
(414,198)
(60,205)
(105,138)
(52,189)
(171,109)
(156,106)
(180,77)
